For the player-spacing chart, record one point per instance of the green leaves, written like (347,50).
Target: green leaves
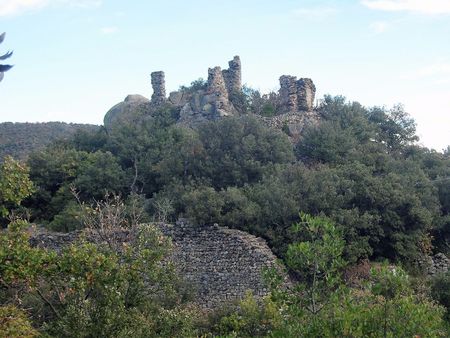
(15,184)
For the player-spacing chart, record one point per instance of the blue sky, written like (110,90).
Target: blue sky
(74,59)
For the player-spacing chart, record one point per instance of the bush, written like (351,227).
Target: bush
(14,323)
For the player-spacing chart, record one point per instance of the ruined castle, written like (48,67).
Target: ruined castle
(295,99)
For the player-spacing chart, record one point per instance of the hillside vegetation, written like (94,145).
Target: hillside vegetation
(21,139)
(354,188)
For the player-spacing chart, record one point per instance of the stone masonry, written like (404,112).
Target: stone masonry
(219,264)
(232,76)
(306,91)
(294,102)
(216,83)
(288,93)
(159,87)
(296,95)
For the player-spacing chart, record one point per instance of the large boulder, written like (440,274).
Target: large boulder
(124,111)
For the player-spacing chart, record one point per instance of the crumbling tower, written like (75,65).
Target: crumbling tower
(296,95)
(288,93)
(159,87)
(232,76)
(216,82)
(306,91)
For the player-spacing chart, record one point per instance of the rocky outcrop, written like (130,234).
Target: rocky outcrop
(437,264)
(125,111)
(296,95)
(159,88)
(219,264)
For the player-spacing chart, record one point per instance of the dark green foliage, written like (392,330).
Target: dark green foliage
(239,150)
(440,291)
(358,167)
(57,170)
(199,84)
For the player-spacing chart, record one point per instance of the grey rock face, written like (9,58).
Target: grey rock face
(434,265)
(125,110)
(296,95)
(159,87)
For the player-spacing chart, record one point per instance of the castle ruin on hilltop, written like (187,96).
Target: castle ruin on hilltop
(217,99)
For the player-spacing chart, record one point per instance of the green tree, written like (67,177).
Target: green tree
(15,184)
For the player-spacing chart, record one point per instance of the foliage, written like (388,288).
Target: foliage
(15,184)
(317,260)
(320,305)
(250,319)
(440,291)
(14,323)
(358,166)
(58,169)
(92,289)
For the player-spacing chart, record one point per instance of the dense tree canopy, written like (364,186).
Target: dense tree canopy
(358,166)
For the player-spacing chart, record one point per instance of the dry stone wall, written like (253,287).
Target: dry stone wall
(218,263)
(437,264)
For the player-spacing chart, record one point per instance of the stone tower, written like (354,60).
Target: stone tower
(296,95)
(306,91)
(216,83)
(288,93)
(159,87)
(232,76)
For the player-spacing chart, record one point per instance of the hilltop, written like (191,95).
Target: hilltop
(21,139)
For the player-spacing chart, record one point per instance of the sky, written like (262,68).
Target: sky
(74,59)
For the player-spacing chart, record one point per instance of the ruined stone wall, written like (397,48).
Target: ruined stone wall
(216,82)
(306,91)
(437,264)
(288,93)
(159,87)
(218,263)
(292,123)
(233,75)
(296,95)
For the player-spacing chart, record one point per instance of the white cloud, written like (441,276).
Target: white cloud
(12,7)
(108,30)
(429,7)
(379,27)
(315,13)
(16,7)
